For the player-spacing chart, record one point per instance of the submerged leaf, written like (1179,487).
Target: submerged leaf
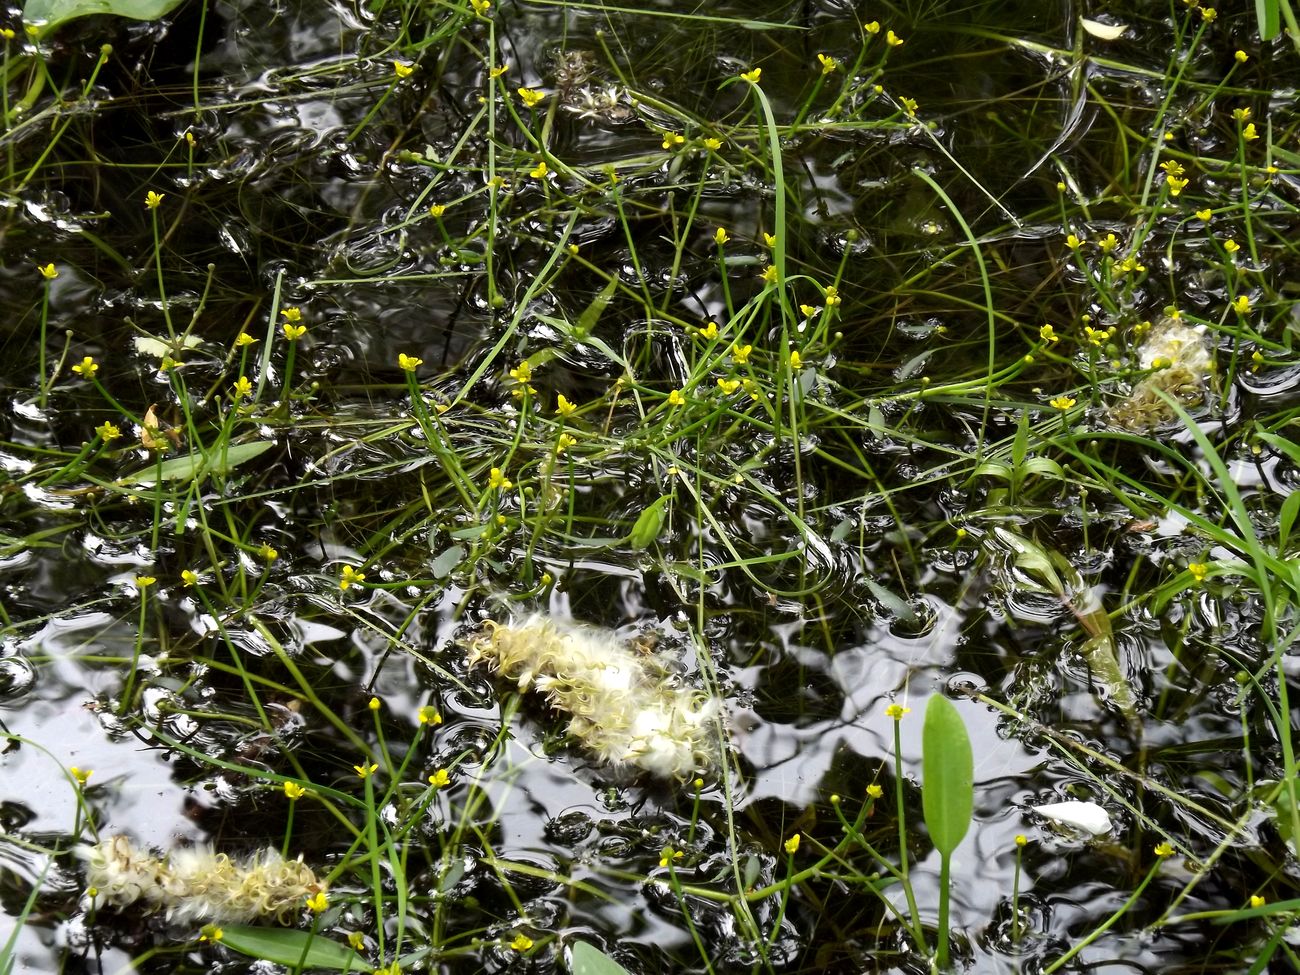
(51,13)
(290,947)
(193,465)
(590,960)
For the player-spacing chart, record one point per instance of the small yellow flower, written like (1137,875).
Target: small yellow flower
(318,902)
(769,240)
(1108,243)
(1256,900)
(293,790)
(740,354)
(522,942)
(429,715)
(522,373)
(874,791)
(1198,570)
(896,711)
(481,7)
(1204,215)
(402,70)
(153,200)
(1241,304)
(108,431)
(364,770)
(350,577)
(243,339)
(670,856)
(796,360)
(709,332)
(672,140)
(712,144)
(496,479)
(1231,246)
(294,332)
(752,76)
(1242,57)
(563,406)
(531,97)
(144,582)
(1248,133)
(189,578)
(770,274)
(1164,850)
(893,40)
(675,398)
(437,210)
(720,236)
(242,388)
(1176,185)
(81,775)
(210,932)
(498,71)
(1062,402)
(539,171)
(1240,114)
(872,27)
(832,298)
(7,33)
(792,844)
(356,940)
(1129,265)
(48,271)
(440,778)
(728,386)
(808,311)
(374,704)
(87,367)
(408,363)
(1021,839)
(267,553)
(292,314)
(1073,241)
(1048,334)
(828,63)
(564,442)
(909,106)
(1208,14)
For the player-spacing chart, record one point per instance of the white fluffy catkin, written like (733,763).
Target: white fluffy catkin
(623,705)
(198,885)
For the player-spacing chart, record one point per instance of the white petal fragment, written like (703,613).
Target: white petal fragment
(1104,32)
(1087,816)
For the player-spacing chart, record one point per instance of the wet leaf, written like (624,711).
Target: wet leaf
(51,13)
(193,465)
(286,946)
(649,524)
(948,786)
(590,960)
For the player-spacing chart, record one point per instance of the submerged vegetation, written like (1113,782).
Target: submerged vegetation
(738,378)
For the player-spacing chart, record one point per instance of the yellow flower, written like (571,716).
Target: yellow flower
(402,70)
(909,105)
(709,332)
(364,770)
(294,791)
(832,298)
(522,942)
(210,932)
(1240,114)
(670,856)
(740,354)
(1231,246)
(564,442)
(1208,14)
(1164,850)
(7,33)
(1241,304)
(796,360)
(317,903)
(243,387)
(429,715)
(1172,167)
(437,210)
(351,576)
(673,139)
(189,578)
(770,274)
(539,171)
(563,406)
(267,553)
(1198,570)
(1249,133)
(243,339)
(522,373)
(712,144)
(440,778)
(531,97)
(874,791)
(728,386)
(1108,243)
(1062,402)
(294,332)
(752,75)
(481,7)
(792,844)
(356,940)
(81,775)
(1256,900)
(408,363)
(769,240)
(87,367)
(496,479)
(675,398)
(896,711)
(720,236)
(1129,265)
(144,582)
(893,40)
(153,200)
(498,71)
(872,27)
(108,431)
(1242,57)
(1074,242)
(1176,185)
(48,271)
(808,311)
(1048,334)
(828,63)
(1205,214)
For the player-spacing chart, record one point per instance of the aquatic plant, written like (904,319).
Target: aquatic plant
(626,707)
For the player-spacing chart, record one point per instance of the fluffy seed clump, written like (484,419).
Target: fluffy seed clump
(192,886)
(1183,367)
(625,706)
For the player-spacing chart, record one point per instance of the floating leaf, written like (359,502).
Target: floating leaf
(948,767)
(49,14)
(590,960)
(649,524)
(291,948)
(191,466)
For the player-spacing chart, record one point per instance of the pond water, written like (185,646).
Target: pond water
(853,327)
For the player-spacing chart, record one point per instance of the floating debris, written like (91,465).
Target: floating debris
(1085,816)
(1182,365)
(198,885)
(627,707)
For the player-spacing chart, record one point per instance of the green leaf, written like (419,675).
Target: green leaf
(49,14)
(948,788)
(290,947)
(591,314)
(590,960)
(193,465)
(1266,12)
(649,524)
